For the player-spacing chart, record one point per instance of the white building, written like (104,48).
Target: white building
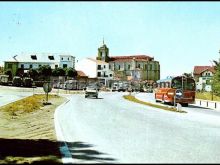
(203,75)
(67,61)
(35,60)
(95,69)
(204,84)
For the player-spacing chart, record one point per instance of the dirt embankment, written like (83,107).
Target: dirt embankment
(29,137)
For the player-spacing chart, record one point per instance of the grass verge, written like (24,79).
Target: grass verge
(132,98)
(207,96)
(27,133)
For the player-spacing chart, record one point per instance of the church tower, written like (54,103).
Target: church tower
(103,52)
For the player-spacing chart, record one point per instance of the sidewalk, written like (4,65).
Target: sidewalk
(208,104)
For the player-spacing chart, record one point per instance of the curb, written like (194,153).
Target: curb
(66,154)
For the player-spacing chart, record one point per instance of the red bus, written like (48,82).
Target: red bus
(166,89)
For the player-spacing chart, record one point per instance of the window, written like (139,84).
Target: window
(119,67)
(51,57)
(39,65)
(110,75)
(33,57)
(64,65)
(56,66)
(208,82)
(99,67)
(129,66)
(62,58)
(30,66)
(207,74)
(167,85)
(139,65)
(145,66)
(99,74)
(109,66)
(10,66)
(22,66)
(68,59)
(104,66)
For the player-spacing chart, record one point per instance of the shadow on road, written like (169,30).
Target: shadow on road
(195,106)
(84,151)
(43,151)
(28,148)
(95,98)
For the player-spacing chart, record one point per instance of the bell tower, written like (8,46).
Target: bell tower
(103,52)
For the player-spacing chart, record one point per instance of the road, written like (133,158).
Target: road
(113,130)
(8,95)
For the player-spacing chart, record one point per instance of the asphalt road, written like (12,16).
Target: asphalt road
(113,130)
(10,95)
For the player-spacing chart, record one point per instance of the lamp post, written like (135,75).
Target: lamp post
(219,57)
(211,82)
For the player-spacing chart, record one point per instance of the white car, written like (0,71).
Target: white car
(91,91)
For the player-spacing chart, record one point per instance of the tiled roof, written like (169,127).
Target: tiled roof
(81,73)
(200,69)
(130,58)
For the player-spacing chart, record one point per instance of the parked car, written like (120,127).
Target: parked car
(27,82)
(70,85)
(17,81)
(4,79)
(91,91)
(120,86)
(58,85)
(115,87)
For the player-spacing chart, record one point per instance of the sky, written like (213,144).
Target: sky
(180,35)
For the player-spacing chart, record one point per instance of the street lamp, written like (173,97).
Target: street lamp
(219,56)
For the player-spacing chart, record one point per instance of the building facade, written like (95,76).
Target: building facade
(34,61)
(203,76)
(95,69)
(133,67)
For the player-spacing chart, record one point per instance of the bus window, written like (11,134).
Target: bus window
(176,84)
(189,84)
(167,85)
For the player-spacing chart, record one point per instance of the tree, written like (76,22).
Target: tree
(120,75)
(8,72)
(33,73)
(58,72)
(1,70)
(189,75)
(70,72)
(45,71)
(216,79)
(20,72)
